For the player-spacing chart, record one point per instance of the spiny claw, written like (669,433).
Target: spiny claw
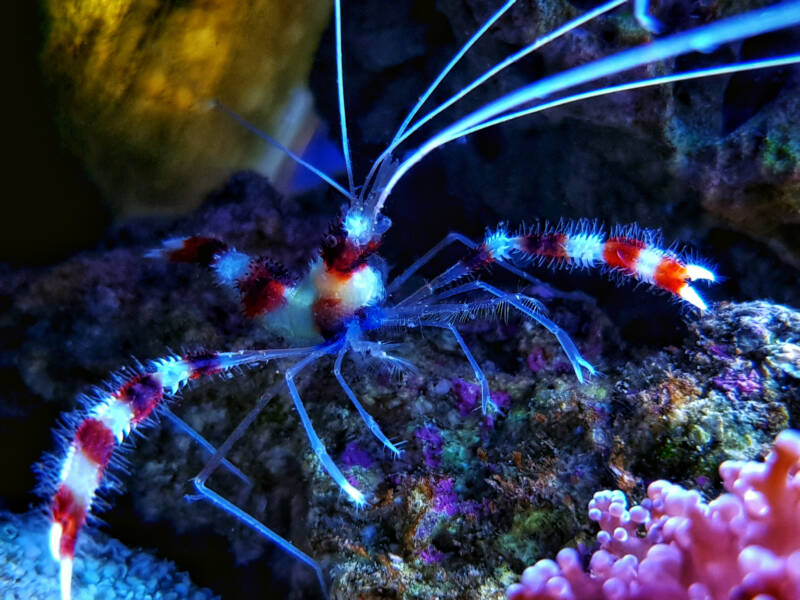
(689,294)
(64,560)
(55,540)
(66,577)
(696,272)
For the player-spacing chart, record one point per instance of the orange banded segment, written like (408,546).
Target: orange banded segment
(622,253)
(670,275)
(70,514)
(143,393)
(478,259)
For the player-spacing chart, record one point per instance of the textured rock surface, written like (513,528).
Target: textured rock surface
(473,499)
(106,568)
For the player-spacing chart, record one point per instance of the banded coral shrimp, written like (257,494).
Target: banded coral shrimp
(341,300)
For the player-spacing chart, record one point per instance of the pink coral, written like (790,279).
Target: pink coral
(745,544)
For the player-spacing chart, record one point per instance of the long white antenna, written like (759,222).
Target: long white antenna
(340,86)
(448,67)
(538,43)
(745,25)
(271,140)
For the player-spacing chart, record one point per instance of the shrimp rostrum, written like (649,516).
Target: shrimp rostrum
(343,302)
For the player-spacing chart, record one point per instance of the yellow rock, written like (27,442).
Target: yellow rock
(133,82)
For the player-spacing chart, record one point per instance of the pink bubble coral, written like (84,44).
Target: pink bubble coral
(745,544)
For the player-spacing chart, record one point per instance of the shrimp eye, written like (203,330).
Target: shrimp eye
(329,240)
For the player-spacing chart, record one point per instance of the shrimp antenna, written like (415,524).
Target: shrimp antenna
(273,142)
(340,88)
(516,56)
(448,67)
(539,43)
(778,16)
(765,63)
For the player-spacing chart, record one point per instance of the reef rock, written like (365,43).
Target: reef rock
(474,498)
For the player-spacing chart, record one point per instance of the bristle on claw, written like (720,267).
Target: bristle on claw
(629,251)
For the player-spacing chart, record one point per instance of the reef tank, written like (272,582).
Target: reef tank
(413,300)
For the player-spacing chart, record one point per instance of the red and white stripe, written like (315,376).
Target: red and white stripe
(105,425)
(630,251)
(262,283)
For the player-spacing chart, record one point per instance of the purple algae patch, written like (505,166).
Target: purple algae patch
(738,382)
(719,351)
(430,555)
(467,394)
(537,361)
(355,456)
(502,400)
(445,499)
(432,442)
